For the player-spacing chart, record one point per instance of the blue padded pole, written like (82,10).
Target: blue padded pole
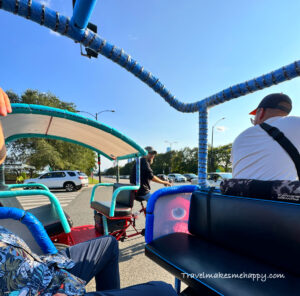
(202,153)
(82,12)
(44,16)
(33,224)
(177,285)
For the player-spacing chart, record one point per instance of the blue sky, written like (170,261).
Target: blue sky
(195,47)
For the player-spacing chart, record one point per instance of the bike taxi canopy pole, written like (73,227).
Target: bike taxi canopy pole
(202,153)
(138,173)
(82,12)
(2,179)
(118,172)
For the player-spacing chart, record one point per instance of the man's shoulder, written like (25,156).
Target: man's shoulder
(293,120)
(246,133)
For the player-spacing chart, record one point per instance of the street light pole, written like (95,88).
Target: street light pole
(98,154)
(212,143)
(99,158)
(170,143)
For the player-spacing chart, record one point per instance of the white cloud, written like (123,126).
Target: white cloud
(221,128)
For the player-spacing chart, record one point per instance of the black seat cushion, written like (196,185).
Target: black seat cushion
(103,207)
(183,253)
(48,217)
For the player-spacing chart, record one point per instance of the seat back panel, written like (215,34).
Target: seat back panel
(11,202)
(126,197)
(267,230)
(22,231)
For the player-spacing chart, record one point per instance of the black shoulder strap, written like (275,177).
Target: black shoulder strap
(285,143)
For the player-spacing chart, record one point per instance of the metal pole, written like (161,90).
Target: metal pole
(3,187)
(212,144)
(212,149)
(118,172)
(99,159)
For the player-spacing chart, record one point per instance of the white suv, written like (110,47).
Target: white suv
(69,180)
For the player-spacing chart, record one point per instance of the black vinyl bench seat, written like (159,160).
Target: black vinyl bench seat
(231,237)
(103,207)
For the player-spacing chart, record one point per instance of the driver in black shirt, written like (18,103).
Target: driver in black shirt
(146,174)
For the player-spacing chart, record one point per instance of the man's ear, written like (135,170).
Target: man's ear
(262,113)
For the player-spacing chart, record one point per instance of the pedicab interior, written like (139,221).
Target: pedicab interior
(34,121)
(216,244)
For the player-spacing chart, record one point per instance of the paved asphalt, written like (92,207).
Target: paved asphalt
(135,268)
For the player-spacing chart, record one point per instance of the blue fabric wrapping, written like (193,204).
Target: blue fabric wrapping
(82,12)
(202,153)
(33,224)
(151,205)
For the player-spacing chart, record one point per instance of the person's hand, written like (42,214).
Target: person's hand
(59,294)
(4,103)
(167,184)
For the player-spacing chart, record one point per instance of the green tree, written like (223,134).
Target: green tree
(221,158)
(127,168)
(40,153)
(184,161)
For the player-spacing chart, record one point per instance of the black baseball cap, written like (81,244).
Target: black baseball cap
(274,101)
(150,150)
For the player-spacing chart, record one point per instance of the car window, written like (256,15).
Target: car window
(58,175)
(214,177)
(46,176)
(72,174)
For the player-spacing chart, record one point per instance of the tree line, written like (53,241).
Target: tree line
(41,153)
(184,161)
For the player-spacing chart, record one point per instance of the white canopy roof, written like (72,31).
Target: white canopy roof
(45,122)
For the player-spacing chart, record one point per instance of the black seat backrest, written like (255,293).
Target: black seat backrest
(266,230)
(10,202)
(126,197)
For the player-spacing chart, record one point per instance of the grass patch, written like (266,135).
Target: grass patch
(94,180)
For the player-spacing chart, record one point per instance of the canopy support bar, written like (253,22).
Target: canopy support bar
(202,153)
(82,12)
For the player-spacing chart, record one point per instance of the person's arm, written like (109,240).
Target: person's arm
(157,180)
(5,106)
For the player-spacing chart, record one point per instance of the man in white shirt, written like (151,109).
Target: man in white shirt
(255,154)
